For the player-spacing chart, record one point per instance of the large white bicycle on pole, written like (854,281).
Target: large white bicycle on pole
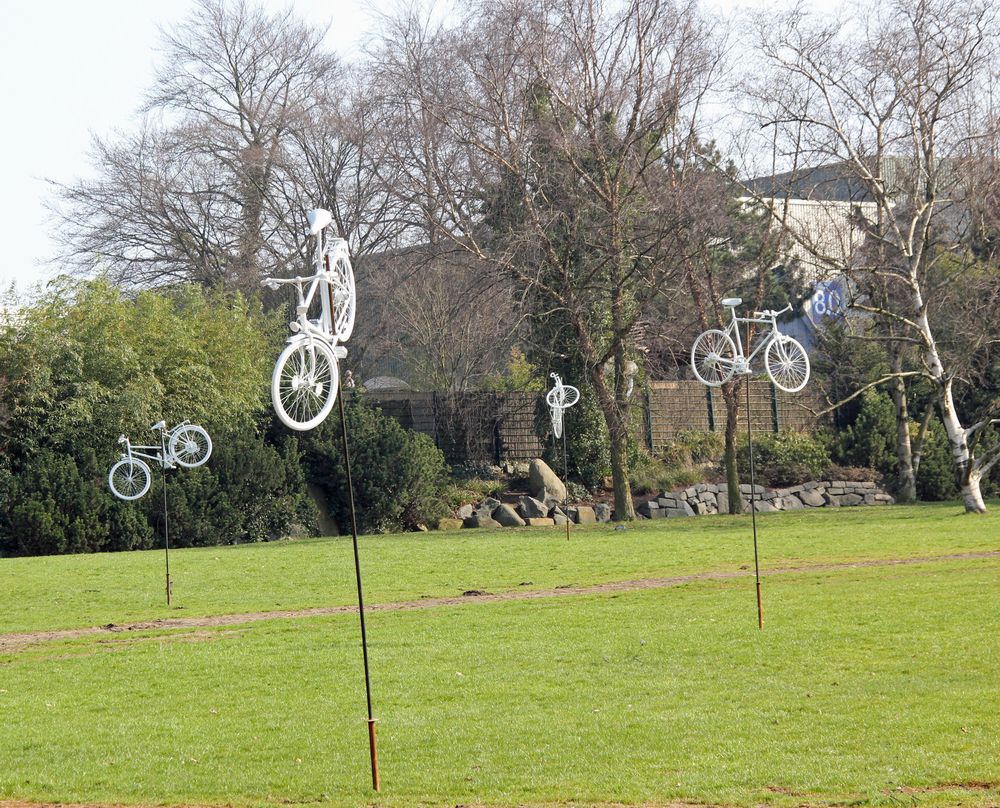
(306,376)
(717,356)
(187,445)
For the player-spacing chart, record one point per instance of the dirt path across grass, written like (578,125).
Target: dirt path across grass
(15,642)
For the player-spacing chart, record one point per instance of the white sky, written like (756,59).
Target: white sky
(71,69)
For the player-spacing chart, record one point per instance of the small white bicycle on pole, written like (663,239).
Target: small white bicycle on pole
(306,375)
(186,445)
(717,356)
(560,398)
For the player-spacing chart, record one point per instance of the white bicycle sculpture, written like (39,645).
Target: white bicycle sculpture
(560,398)
(306,375)
(186,445)
(717,356)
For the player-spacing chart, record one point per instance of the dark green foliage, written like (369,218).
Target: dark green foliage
(250,491)
(58,504)
(870,440)
(936,477)
(399,475)
(783,458)
(85,364)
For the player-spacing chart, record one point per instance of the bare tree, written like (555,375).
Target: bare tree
(895,97)
(440,314)
(556,127)
(197,194)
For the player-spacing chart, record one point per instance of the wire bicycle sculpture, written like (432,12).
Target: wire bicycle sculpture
(717,355)
(560,398)
(306,375)
(187,445)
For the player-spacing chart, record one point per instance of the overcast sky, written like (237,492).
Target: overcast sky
(71,69)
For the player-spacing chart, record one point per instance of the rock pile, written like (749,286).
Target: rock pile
(546,505)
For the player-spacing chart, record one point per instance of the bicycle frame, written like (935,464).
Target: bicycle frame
(322,328)
(765,318)
(162,456)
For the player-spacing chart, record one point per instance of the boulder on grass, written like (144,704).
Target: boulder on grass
(449,524)
(545,483)
(583,515)
(479,520)
(507,516)
(532,508)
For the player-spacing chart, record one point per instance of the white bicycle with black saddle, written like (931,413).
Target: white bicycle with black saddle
(717,356)
(187,445)
(306,375)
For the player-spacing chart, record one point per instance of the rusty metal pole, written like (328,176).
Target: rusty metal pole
(753,509)
(372,744)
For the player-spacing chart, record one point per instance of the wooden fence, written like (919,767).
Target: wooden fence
(502,427)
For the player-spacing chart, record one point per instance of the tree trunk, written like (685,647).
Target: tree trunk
(970,476)
(731,395)
(972,496)
(968,473)
(622,487)
(906,475)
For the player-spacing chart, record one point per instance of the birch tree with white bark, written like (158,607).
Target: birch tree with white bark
(898,97)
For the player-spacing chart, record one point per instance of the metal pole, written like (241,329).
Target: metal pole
(166,516)
(372,744)
(565,477)
(753,510)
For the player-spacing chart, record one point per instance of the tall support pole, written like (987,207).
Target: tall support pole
(565,477)
(166,516)
(372,742)
(753,510)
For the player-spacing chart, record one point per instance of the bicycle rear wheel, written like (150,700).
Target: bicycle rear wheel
(129,479)
(713,357)
(344,293)
(557,422)
(787,364)
(304,383)
(190,446)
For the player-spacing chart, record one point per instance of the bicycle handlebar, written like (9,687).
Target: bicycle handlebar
(274,283)
(771,312)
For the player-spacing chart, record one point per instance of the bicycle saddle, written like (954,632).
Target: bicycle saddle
(732,302)
(318,219)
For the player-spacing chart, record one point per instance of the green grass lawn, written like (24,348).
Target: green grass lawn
(869,686)
(89,590)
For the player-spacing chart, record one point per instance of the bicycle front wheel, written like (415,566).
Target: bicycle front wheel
(304,384)
(129,479)
(787,364)
(713,357)
(190,446)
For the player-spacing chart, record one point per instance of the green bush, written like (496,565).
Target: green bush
(870,440)
(783,458)
(399,475)
(936,477)
(84,364)
(249,491)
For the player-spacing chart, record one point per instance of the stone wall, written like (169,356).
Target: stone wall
(710,498)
